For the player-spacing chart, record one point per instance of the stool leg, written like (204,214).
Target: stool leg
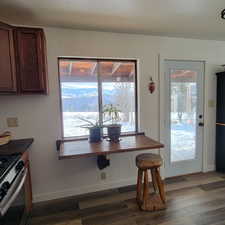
(154,181)
(146,190)
(139,186)
(160,186)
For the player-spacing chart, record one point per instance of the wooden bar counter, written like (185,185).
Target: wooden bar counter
(83,148)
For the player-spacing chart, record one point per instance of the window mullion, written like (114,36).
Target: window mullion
(100,108)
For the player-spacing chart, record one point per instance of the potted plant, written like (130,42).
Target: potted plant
(113,129)
(94,130)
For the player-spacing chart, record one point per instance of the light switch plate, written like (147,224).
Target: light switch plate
(211,103)
(12,122)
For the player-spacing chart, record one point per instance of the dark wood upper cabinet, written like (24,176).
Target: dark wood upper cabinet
(31,60)
(23,60)
(7,60)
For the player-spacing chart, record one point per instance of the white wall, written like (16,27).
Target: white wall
(39,116)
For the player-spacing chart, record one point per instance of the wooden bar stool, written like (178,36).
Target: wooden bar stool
(157,199)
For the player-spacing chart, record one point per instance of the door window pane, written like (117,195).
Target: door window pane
(183,89)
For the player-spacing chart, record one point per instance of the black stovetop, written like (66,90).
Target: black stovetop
(6,162)
(10,153)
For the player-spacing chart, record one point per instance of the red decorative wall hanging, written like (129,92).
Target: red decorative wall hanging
(151,86)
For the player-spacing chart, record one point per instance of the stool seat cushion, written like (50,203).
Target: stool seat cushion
(148,160)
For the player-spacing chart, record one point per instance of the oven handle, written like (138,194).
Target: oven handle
(5,207)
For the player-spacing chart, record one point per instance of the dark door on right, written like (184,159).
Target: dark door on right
(220,123)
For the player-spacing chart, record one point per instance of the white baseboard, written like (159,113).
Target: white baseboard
(94,188)
(209,168)
(83,190)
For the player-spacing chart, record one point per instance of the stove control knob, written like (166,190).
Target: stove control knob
(4,189)
(2,193)
(5,186)
(19,166)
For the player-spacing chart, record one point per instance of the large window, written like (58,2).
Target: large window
(87,85)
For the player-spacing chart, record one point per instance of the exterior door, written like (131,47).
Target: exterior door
(184,117)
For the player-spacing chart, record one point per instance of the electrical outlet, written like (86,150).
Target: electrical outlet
(12,122)
(103,176)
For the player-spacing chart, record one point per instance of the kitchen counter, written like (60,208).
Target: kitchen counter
(16,146)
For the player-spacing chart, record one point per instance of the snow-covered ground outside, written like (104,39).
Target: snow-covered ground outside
(183,137)
(72,123)
(183,133)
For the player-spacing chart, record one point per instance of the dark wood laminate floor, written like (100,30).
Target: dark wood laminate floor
(191,200)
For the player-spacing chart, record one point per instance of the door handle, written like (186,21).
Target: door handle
(201,124)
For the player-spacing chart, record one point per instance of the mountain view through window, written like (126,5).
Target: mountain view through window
(88,85)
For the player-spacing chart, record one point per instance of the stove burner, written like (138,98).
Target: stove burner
(3,160)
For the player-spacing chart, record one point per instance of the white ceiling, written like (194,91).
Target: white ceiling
(178,18)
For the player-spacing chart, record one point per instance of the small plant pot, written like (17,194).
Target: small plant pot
(114,132)
(94,134)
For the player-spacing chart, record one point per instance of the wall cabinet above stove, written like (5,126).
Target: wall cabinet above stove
(23,64)
(7,60)
(31,60)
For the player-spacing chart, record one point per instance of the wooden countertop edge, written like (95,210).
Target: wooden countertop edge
(108,153)
(8,149)
(221,124)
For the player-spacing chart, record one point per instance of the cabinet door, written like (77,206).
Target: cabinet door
(31,57)
(7,60)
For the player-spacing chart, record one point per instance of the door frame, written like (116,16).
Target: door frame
(191,165)
(162,107)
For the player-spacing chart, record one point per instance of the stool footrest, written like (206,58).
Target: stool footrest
(152,203)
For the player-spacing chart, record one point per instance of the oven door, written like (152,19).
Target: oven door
(12,208)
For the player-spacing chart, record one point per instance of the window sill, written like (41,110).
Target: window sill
(80,138)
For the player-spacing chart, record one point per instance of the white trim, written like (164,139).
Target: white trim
(94,188)
(85,190)
(209,168)
(162,58)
